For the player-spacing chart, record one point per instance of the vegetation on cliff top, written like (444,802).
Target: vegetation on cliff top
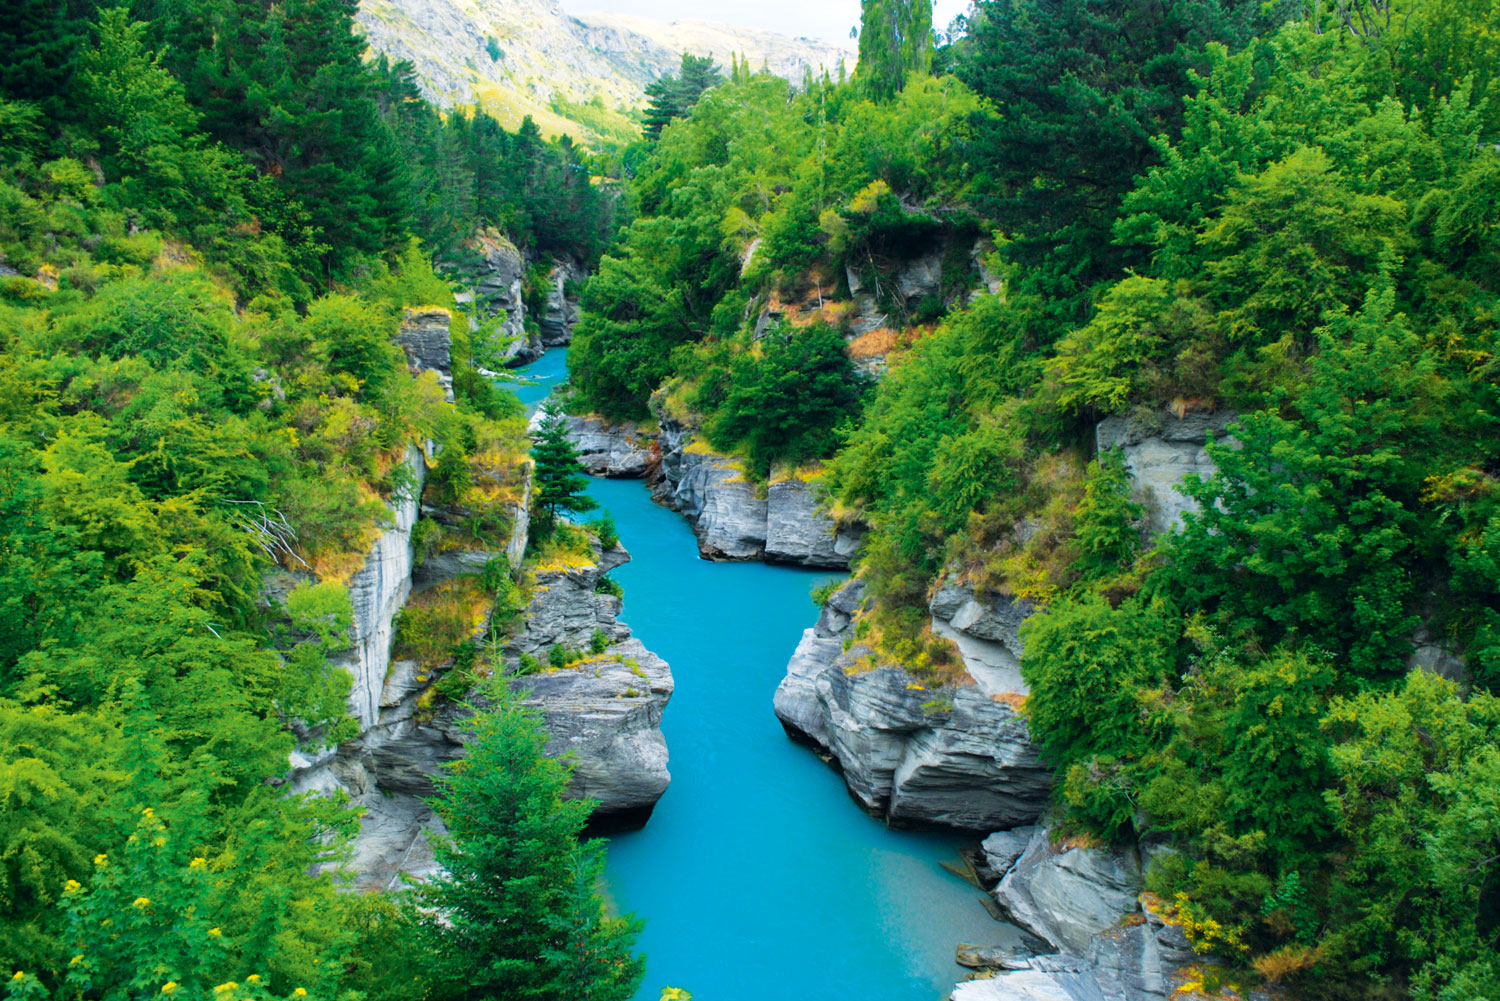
(1195,206)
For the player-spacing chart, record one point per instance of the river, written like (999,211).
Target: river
(759,878)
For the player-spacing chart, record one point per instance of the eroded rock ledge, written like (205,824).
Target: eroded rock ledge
(1113,942)
(957,758)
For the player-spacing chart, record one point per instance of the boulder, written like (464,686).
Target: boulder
(999,852)
(1159,449)
(424,336)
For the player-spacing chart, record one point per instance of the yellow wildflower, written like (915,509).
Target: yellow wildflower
(19,976)
(147,812)
(100,859)
(141,903)
(226,988)
(300,992)
(196,863)
(159,842)
(169,987)
(76,960)
(214,933)
(253,978)
(72,886)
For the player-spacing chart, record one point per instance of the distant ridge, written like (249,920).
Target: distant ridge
(584,76)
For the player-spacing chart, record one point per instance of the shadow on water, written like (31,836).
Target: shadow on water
(758,877)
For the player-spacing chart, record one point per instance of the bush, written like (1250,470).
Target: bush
(598,641)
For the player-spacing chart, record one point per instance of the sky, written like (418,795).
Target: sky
(829,20)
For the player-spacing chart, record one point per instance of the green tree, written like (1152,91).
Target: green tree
(895,41)
(786,404)
(517,912)
(557,483)
(1311,526)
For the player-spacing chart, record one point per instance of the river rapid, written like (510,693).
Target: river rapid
(758,877)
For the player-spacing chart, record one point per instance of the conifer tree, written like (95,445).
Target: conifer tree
(558,485)
(521,916)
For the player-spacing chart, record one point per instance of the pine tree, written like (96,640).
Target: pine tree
(895,40)
(558,484)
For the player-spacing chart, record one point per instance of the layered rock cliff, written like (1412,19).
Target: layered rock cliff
(956,758)
(1113,942)
(605,710)
(729,515)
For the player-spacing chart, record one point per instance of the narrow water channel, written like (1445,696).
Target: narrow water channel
(758,877)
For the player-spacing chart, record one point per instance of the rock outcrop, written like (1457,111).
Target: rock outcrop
(730,520)
(424,337)
(609,449)
(956,758)
(605,710)
(562,309)
(376,592)
(1161,448)
(494,286)
(1114,943)
(729,517)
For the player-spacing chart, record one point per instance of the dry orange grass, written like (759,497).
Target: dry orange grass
(1013,699)
(876,344)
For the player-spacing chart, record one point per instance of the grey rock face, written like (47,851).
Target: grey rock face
(731,522)
(796,531)
(1435,654)
(494,285)
(377,592)
(954,758)
(607,713)
(605,710)
(562,309)
(1066,897)
(618,451)
(1159,451)
(1087,903)
(986,629)
(424,337)
(1000,851)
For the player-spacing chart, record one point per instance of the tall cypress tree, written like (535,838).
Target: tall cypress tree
(895,40)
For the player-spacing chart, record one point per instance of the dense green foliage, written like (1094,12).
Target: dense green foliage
(258,133)
(674,96)
(211,219)
(1195,207)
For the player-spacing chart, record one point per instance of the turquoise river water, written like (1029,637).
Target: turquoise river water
(759,878)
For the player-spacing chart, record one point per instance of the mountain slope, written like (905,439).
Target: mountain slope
(582,76)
